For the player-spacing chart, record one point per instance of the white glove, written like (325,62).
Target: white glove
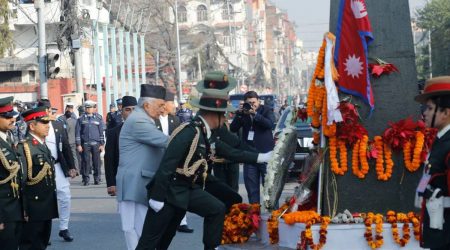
(156,205)
(265,157)
(435,208)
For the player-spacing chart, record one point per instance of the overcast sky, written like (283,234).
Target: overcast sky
(312,18)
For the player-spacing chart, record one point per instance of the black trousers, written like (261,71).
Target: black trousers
(91,161)
(160,228)
(36,235)
(228,173)
(223,192)
(10,235)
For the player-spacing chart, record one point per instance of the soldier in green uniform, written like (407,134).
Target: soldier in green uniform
(11,211)
(40,188)
(179,184)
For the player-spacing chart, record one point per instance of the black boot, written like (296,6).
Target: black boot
(66,235)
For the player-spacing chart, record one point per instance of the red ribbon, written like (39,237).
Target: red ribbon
(444,86)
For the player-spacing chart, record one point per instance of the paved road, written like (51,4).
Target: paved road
(95,224)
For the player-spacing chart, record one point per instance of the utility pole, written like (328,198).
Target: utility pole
(180,91)
(42,53)
(429,55)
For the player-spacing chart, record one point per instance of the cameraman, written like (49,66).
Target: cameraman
(257,122)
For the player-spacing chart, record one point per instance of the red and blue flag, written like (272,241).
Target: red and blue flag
(354,34)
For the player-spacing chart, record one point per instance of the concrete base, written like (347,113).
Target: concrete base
(345,236)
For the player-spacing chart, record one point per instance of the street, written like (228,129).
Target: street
(95,224)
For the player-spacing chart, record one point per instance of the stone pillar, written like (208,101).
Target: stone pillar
(393,101)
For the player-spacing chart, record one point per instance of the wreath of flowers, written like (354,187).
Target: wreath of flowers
(240,223)
(272,224)
(415,220)
(378,220)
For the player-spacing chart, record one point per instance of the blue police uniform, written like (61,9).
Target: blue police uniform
(89,135)
(185,115)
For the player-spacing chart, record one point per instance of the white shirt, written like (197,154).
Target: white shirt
(3,135)
(208,129)
(443,131)
(164,120)
(50,140)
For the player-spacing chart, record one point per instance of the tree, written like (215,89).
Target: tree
(5,33)
(435,17)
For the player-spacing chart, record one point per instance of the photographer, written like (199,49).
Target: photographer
(257,122)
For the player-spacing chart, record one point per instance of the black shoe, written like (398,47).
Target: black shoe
(85,183)
(65,235)
(96,182)
(184,229)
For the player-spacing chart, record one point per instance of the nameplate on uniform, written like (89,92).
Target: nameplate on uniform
(251,135)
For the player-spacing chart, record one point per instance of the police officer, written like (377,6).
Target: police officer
(184,113)
(21,127)
(114,118)
(11,215)
(90,142)
(40,188)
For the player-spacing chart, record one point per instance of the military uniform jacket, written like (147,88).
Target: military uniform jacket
(174,188)
(40,198)
(10,199)
(65,156)
(440,164)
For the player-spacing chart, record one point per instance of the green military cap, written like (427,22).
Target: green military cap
(216,80)
(213,101)
(37,114)
(6,107)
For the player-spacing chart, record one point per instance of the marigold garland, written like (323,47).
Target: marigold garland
(360,157)
(393,218)
(240,223)
(414,163)
(272,224)
(306,237)
(301,217)
(334,143)
(383,150)
(416,224)
(378,220)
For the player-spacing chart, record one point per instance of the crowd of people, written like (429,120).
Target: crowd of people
(161,163)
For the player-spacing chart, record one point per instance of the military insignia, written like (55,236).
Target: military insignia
(34,142)
(218,103)
(225,78)
(212,85)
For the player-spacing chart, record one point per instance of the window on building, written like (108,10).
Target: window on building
(227,39)
(225,12)
(202,13)
(182,14)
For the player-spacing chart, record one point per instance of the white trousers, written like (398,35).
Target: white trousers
(132,215)
(63,196)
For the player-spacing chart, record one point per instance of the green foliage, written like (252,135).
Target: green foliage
(435,17)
